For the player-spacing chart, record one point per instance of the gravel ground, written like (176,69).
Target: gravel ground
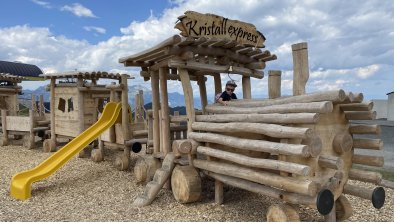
(84,190)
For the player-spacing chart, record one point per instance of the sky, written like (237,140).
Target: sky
(350,43)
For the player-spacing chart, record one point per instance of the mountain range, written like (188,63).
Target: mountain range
(175,99)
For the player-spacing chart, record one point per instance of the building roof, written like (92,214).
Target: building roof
(19,69)
(390,93)
(10,78)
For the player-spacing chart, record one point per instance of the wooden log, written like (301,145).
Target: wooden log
(286,183)
(42,108)
(377,161)
(343,208)
(125,108)
(178,119)
(218,83)
(271,130)
(293,198)
(290,118)
(203,93)
(335,96)
(255,162)
(282,212)
(377,195)
(155,115)
(360,115)
(81,106)
(314,143)
(140,133)
(365,176)
(358,98)
(256,65)
(342,143)
(387,183)
(331,162)
(246,87)
(165,119)
(188,94)
(53,107)
(371,144)
(4,141)
(332,216)
(313,107)
(186,184)
(356,106)
(254,145)
(300,67)
(183,146)
(274,84)
(364,129)
(43,122)
(42,128)
(219,193)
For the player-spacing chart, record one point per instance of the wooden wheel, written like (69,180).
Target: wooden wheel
(97,155)
(282,213)
(122,162)
(343,208)
(145,168)
(49,146)
(186,184)
(29,142)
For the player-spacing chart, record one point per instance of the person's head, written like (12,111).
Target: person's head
(230,86)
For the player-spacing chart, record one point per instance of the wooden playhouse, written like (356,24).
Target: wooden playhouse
(298,149)
(28,126)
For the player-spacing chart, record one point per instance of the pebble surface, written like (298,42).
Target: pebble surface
(85,190)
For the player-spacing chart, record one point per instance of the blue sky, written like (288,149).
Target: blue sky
(351,43)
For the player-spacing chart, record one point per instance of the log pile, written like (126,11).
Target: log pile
(297,148)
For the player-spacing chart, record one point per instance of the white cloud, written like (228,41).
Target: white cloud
(42,3)
(365,72)
(79,10)
(96,29)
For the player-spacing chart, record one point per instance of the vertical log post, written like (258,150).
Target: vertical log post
(177,133)
(246,87)
(81,113)
(218,83)
(112,98)
(274,84)
(165,115)
(42,108)
(142,104)
(218,192)
(189,101)
(300,67)
(203,93)
(31,139)
(125,108)
(155,106)
(53,108)
(4,127)
(33,103)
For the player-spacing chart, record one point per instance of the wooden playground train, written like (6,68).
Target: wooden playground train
(299,149)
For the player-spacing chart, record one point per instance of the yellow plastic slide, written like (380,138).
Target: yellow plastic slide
(21,182)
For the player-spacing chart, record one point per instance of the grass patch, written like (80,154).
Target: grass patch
(387,174)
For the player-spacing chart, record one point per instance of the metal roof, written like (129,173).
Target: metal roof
(19,69)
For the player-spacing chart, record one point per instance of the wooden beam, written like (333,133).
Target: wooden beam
(189,100)
(371,144)
(155,106)
(218,83)
(364,129)
(203,93)
(165,121)
(286,183)
(288,118)
(250,144)
(377,161)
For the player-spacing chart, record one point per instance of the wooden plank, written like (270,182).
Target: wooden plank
(18,123)
(289,118)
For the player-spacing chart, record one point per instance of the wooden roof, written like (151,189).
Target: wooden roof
(189,53)
(10,78)
(85,75)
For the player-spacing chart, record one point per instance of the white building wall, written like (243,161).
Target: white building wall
(380,106)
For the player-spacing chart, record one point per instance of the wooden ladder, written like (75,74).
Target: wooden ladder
(159,179)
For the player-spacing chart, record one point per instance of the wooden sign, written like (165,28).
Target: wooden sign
(195,24)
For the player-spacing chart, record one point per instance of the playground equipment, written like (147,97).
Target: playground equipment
(76,101)
(298,149)
(13,123)
(21,182)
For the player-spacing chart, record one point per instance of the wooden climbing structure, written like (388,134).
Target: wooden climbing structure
(298,149)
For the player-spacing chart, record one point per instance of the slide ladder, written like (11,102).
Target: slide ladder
(20,187)
(159,179)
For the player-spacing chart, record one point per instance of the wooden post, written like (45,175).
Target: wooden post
(31,140)
(203,93)
(165,118)
(42,108)
(155,106)
(331,217)
(218,83)
(112,98)
(218,192)
(189,101)
(125,108)
(81,113)
(53,107)
(246,87)
(33,103)
(274,84)
(300,67)
(177,133)
(4,127)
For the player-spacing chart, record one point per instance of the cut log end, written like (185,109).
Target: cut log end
(282,213)
(186,184)
(343,142)
(97,155)
(343,208)
(122,162)
(49,146)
